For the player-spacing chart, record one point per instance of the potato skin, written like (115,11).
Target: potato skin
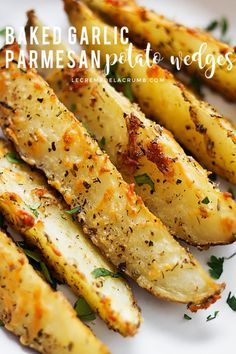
(63,243)
(131,140)
(48,136)
(42,318)
(171,38)
(195,124)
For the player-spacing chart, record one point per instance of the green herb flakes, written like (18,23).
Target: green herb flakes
(206,200)
(13,157)
(216,265)
(34,210)
(187,317)
(102,142)
(103,272)
(231,301)
(74,210)
(144,179)
(83,310)
(212,317)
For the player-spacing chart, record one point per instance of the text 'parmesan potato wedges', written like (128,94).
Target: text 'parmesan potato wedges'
(48,136)
(139,147)
(41,317)
(172,39)
(31,207)
(195,124)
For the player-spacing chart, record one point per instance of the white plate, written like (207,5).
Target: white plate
(164,330)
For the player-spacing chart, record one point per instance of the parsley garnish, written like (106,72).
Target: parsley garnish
(73,107)
(74,210)
(13,157)
(144,179)
(231,301)
(196,84)
(37,263)
(222,25)
(116,79)
(187,317)
(34,210)
(83,310)
(103,272)
(212,26)
(47,275)
(1,324)
(216,265)
(127,90)
(3,32)
(212,317)
(206,200)
(102,142)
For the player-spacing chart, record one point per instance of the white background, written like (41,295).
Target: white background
(164,330)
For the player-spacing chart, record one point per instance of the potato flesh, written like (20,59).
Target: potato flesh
(63,243)
(29,308)
(195,124)
(48,136)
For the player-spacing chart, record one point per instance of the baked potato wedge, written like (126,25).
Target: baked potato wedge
(171,38)
(41,317)
(195,124)
(31,207)
(49,137)
(172,180)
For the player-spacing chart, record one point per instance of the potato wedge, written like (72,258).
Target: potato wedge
(195,124)
(171,38)
(62,243)
(177,179)
(41,317)
(48,136)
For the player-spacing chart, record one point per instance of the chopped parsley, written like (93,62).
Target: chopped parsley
(73,108)
(102,142)
(47,275)
(222,25)
(212,317)
(127,90)
(3,31)
(13,157)
(196,84)
(83,310)
(206,200)
(120,82)
(74,210)
(144,179)
(1,324)
(34,210)
(103,272)
(231,301)
(216,266)
(212,26)
(37,263)
(187,317)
